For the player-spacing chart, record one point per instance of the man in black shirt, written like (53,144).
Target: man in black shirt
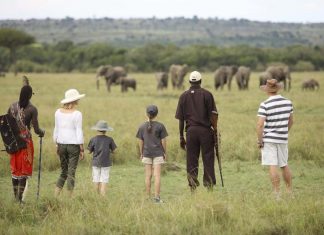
(197,112)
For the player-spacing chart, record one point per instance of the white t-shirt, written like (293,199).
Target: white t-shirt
(68,128)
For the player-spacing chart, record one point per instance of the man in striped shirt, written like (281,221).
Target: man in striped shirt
(275,118)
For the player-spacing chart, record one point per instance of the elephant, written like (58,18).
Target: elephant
(243,77)
(310,84)
(177,73)
(2,74)
(264,77)
(111,74)
(223,75)
(162,80)
(281,74)
(126,82)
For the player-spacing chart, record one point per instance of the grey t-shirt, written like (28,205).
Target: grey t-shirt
(101,146)
(152,140)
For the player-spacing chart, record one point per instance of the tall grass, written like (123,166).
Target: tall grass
(126,111)
(244,206)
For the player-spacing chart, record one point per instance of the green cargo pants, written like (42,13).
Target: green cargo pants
(69,157)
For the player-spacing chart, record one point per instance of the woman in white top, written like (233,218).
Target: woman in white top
(68,136)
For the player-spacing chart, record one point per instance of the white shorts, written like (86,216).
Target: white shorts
(274,154)
(154,160)
(100,174)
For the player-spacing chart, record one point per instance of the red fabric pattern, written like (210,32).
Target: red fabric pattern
(21,162)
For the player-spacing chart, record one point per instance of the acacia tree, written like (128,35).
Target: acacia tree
(13,39)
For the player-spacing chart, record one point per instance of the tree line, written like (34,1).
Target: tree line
(180,31)
(67,56)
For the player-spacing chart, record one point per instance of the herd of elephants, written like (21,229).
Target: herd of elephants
(222,76)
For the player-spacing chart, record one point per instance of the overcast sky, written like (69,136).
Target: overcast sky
(261,10)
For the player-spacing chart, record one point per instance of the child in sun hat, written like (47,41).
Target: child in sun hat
(101,146)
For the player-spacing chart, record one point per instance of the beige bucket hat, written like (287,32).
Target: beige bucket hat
(102,125)
(272,85)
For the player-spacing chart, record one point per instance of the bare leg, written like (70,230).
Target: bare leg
(97,187)
(275,180)
(157,180)
(148,177)
(25,191)
(103,189)
(286,174)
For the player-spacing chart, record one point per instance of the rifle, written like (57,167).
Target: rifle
(219,160)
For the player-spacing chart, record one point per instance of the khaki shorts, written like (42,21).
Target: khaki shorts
(154,160)
(100,174)
(274,154)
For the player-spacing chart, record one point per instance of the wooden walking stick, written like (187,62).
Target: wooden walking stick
(39,165)
(219,160)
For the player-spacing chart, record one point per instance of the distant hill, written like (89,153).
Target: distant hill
(179,31)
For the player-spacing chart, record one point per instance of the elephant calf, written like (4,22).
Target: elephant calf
(310,84)
(162,80)
(126,82)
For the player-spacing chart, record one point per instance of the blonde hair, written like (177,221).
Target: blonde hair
(70,105)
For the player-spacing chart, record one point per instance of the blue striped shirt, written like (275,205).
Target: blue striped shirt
(277,110)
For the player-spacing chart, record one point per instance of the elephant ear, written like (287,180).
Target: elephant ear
(102,70)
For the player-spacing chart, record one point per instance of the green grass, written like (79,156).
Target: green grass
(244,206)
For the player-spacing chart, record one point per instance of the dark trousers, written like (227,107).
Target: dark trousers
(69,156)
(200,139)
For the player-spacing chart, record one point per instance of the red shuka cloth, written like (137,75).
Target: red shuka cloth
(21,162)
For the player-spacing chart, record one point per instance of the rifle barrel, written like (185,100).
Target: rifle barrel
(218,158)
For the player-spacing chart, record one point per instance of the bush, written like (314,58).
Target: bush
(29,67)
(302,65)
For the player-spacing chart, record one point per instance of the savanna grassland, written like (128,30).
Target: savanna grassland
(244,206)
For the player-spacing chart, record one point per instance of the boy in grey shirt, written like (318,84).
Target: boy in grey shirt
(101,145)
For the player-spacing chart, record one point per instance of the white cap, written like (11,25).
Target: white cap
(195,76)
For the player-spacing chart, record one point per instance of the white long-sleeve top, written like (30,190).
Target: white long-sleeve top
(68,128)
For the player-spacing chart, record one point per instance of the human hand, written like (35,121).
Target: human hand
(165,157)
(260,144)
(81,156)
(57,150)
(183,143)
(215,135)
(41,134)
